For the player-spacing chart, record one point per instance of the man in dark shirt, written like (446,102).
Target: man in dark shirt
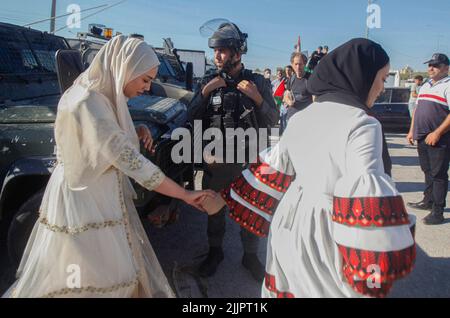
(297,97)
(430,127)
(315,58)
(288,71)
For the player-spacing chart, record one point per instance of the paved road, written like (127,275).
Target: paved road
(181,246)
(184,243)
(431,276)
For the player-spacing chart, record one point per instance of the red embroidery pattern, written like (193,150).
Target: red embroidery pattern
(256,198)
(370,211)
(393,265)
(270,177)
(270,284)
(245,217)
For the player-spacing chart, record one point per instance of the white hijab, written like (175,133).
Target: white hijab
(86,130)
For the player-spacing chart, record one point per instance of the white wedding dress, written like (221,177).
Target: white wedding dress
(96,231)
(88,240)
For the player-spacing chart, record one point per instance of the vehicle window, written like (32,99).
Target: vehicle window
(28,59)
(400,108)
(45,47)
(377,109)
(15,55)
(385,97)
(400,95)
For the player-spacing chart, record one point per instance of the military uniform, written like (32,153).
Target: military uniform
(218,176)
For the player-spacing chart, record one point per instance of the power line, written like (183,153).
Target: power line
(390,48)
(108,7)
(17,19)
(60,16)
(269,48)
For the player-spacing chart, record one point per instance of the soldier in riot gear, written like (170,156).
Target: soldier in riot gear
(233,97)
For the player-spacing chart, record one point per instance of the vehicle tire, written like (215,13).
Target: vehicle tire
(21,226)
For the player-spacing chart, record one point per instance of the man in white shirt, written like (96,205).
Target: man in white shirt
(430,127)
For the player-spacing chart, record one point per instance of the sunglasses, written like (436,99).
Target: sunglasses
(436,65)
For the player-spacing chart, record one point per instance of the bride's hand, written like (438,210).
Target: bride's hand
(145,136)
(196,198)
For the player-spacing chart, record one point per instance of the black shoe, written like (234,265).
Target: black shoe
(251,262)
(428,216)
(420,205)
(434,219)
(209,266)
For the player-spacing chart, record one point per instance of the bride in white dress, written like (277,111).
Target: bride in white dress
(88,240)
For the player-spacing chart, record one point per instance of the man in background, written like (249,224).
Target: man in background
(288,72)
(430,127)
(296,96)
(278,87)
(418,81)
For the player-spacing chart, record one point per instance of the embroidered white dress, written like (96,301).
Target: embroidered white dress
(340,227)
(90,242)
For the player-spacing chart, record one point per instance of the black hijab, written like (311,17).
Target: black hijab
(347,73)
(346,76)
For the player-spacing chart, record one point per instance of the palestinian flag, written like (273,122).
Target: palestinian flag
(279,92)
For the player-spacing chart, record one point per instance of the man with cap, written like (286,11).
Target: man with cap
(212,105)
(430,127)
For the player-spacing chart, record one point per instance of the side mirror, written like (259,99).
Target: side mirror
(189,76)
(68,67)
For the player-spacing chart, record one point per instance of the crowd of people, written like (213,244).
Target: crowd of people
(289,86)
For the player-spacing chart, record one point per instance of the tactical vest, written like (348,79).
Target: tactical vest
(229,108)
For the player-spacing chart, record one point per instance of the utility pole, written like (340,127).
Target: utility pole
(52,18)
(439,43)
(367,25)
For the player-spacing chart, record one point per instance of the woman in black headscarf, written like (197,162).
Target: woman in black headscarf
(338,224)
(346,76)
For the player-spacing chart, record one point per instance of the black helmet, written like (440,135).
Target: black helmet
(229,35)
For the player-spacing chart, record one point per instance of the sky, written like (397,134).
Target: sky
(411,30)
